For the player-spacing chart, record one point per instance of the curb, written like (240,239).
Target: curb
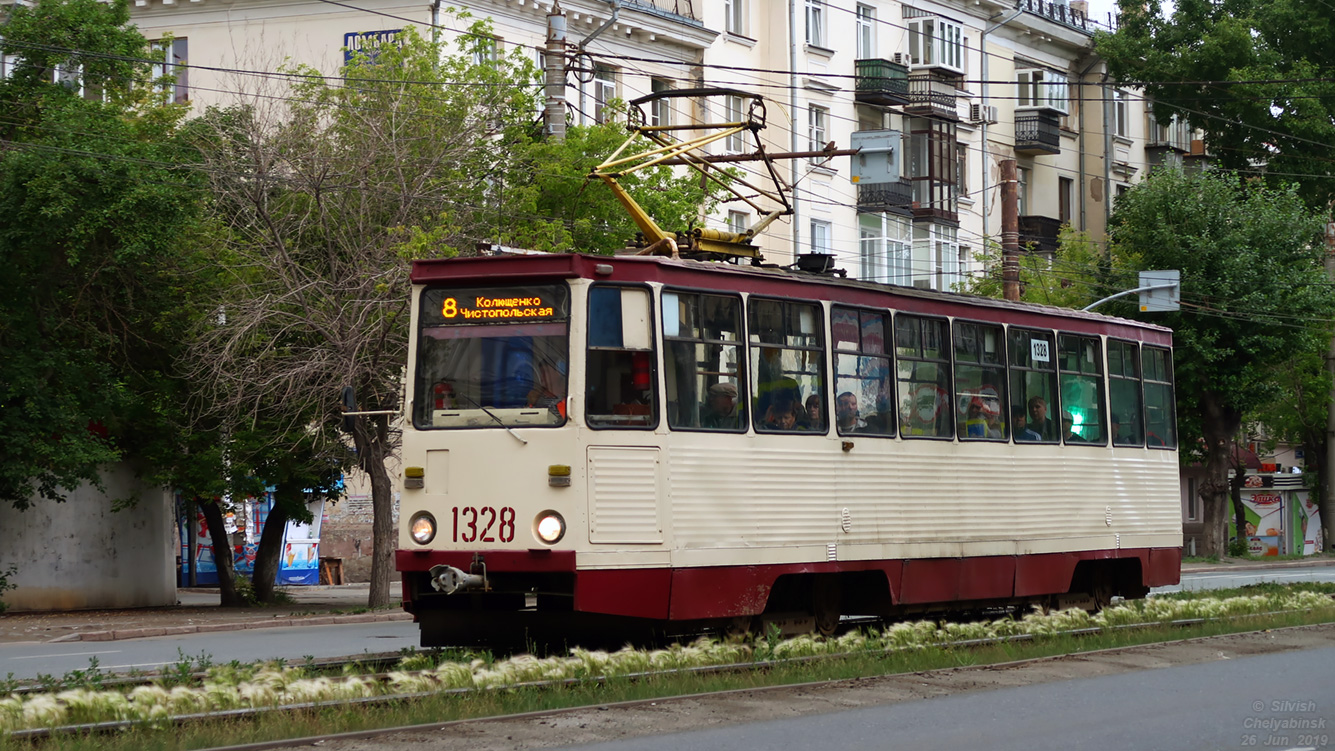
(1195,568)
(204,628)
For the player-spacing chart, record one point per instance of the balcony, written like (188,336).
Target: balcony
(882,82)
(1060,12)
(892,197)
(1039,233)
(1037,132)
(933,95)
(680,8)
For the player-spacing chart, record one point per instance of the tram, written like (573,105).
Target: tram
(643,443)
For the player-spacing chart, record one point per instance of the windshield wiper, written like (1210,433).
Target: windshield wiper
(493,416)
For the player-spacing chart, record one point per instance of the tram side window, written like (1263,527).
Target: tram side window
(702,342)
(1124,394)
(620,374)
(787,364)
(1160,424)
(862,373)
(1081,382)
(1033,372)
(980,382)
(922,355)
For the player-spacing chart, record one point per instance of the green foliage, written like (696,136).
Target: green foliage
(93,210)
(1255,75)
(6,584)
(1077,274)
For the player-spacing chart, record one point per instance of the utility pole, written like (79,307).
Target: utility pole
(554,113)
(1010,231)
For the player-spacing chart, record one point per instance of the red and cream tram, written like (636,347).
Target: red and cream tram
(613,442)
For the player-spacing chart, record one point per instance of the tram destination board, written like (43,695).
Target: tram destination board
(518,304)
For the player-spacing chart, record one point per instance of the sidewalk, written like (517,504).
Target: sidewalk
(198,611)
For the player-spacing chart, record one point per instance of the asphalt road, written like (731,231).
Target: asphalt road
(31,660)
(1276,701)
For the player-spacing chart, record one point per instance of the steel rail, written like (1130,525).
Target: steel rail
(245,712)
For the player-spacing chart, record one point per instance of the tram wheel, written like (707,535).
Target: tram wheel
(825,607)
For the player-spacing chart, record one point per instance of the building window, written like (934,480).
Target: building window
(1042,88)
(933,166)
(487,52)
(885,248)
(817,117)
(1121,120)
(1022,191)
(962,170)
(174,54)
(739,221)
(820,236)
(1175,133)
(661,114)
(1065,189)
(936,42)
(1192,502)
(866,20)
(816,22)
(734,16)
(604,91)
(735,143)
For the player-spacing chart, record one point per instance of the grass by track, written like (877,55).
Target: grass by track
(472,704)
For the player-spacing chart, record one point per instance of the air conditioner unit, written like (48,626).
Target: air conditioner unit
(982,113)
(900,58)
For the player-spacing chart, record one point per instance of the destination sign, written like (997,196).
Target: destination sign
(509,305)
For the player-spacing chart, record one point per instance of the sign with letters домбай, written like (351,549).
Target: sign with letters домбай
(369,42)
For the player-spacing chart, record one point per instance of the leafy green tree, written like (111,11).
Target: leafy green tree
(93,215)
(1255,75)
(1253,289)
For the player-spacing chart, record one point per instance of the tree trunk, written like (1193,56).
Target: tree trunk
(1219,423)
(270,551)
(1235,494)
(374,452)
(222,554)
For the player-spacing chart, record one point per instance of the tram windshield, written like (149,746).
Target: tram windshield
(492,357)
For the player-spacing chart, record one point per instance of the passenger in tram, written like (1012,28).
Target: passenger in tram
(1068,429)
(782,415)
(981,420)
(813,418)
(1022,431)
(846,412)
(1038,419)
(721,408)
(992,414)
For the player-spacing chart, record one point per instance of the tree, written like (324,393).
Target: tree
(1255,75)
(1253,293)
(93,214)
(321,201)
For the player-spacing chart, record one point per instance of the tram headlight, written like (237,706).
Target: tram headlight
(422,527)
(550,527)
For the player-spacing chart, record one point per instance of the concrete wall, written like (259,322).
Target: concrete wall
(81,554)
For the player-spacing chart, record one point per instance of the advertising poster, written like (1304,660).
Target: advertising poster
(300,562)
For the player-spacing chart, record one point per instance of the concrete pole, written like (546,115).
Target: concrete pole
(1010,231)
(1328,491)
(554,114)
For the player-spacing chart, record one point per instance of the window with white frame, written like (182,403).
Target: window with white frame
(816,22)
(820,236)
(866,20)
(1022,191)
(8,64)
(739,221)
(1121,116)
(487,51)
(174,53)
(735,107)
(936,254)
(885,248)
(661,111)
(936,42)
(817,119)
(604,91)
(734,16)
(1065,198)
(1042,88)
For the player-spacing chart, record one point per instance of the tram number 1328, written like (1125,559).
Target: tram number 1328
(484,524)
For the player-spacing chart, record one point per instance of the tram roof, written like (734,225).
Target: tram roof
(770,280)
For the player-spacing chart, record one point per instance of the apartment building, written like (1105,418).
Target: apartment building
(936,93)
